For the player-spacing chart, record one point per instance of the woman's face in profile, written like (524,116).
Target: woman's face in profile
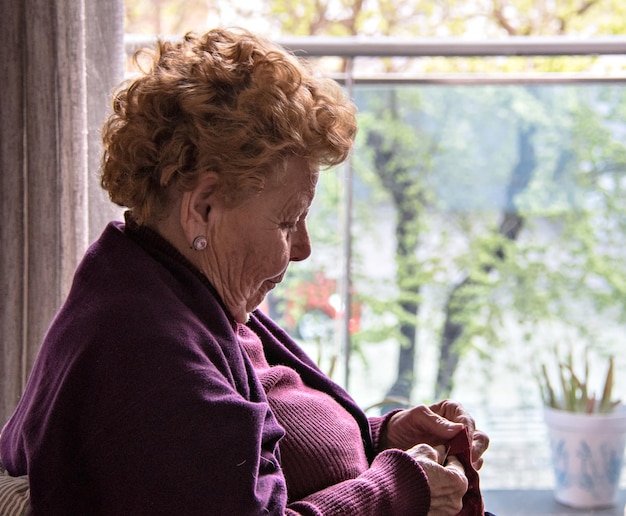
(253,243)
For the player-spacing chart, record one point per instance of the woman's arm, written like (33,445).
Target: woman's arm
(394,485)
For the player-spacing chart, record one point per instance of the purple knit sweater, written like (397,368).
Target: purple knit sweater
(145,399)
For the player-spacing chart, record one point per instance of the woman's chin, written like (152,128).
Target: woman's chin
(256,300)
(255,303)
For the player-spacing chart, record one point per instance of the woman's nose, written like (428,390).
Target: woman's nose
(300,243)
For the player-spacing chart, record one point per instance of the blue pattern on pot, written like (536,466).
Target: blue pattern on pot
(587,456)
(594,472)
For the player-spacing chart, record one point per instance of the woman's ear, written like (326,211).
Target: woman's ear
(196,205)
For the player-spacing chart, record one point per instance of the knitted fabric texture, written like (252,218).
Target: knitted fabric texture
(318,449)
(460,446)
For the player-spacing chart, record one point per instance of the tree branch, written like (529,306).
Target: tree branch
(498,14)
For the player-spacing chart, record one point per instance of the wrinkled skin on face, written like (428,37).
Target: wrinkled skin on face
(251,244)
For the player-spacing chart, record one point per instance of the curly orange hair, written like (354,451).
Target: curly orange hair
(225,101)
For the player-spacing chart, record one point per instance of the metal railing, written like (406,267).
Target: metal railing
(361,46)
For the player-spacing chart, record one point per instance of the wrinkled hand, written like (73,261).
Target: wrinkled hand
(434,425)
(454,411)
(447,483)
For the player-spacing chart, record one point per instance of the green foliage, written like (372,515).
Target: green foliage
(441,140)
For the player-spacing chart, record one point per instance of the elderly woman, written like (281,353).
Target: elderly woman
(159,389)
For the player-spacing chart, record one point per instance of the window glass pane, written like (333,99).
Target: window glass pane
(499,206)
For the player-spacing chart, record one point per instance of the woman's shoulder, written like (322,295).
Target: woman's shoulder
(121,289)
(130,316)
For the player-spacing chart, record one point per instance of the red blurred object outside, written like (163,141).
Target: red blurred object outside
(313,307)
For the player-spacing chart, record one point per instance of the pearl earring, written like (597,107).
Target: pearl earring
(199,243)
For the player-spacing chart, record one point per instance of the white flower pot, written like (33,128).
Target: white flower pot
(587,456)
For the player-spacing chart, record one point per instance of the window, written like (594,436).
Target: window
(479,214)
(489,207)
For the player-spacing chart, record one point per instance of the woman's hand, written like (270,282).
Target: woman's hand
(434,425)
(454,411)
(447,482)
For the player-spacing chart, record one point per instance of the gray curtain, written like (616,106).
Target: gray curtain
(59,61)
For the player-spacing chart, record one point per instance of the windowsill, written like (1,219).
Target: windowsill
(509,502)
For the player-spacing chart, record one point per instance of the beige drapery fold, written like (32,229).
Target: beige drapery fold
(59,60)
